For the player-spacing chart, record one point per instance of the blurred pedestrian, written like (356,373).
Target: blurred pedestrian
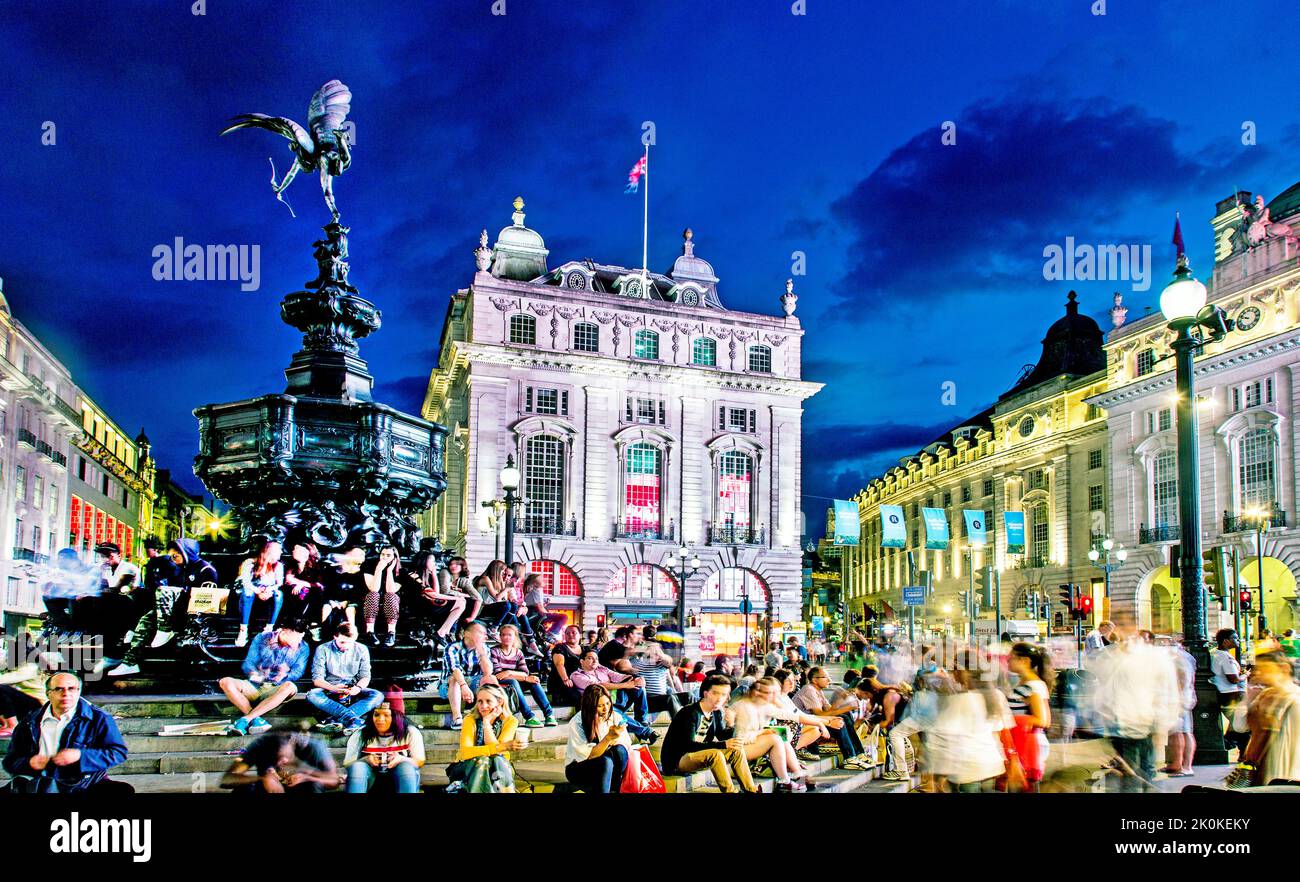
(1136,700)
(1273,720)
(1229,679)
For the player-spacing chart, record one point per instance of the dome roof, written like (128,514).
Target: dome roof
(1285,203)
(1073,346)
(519,253)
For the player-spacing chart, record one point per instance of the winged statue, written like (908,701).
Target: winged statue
(322,145)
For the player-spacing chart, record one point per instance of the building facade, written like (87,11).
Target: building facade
(69,477)
(1247,433)
(1040,450)
(644,417)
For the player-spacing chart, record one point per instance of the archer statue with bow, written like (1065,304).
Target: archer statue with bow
(323,145)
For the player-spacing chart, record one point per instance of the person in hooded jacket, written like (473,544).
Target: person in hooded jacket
(193,571)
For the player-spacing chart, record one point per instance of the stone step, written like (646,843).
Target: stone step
(145,739)
(220,760)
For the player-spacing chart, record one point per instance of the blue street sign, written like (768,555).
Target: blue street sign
(914,595)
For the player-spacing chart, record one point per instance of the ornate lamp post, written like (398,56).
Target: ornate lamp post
(1184,307)
(510,478)
(682,563)
(1120,554)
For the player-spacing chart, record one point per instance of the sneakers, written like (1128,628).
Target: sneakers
(456,724)
(784,787)
(241,639)
(127,638)
(258,725)
(162,638)
(808,756)
(534,723)
(124,670)
(551,721)
(389,640)
(894,776)
(238,727)
(858,762)
(331,728)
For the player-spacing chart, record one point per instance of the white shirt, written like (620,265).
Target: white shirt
(52,729)
(116,576)
(579,748)
(1223,663)
(1137,690)
(752,718)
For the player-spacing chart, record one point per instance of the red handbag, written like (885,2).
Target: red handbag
(642,775)
(1025,736)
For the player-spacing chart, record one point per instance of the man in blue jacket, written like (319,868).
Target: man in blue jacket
(275,659)
(68,745)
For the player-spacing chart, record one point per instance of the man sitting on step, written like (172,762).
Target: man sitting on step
(283,762)
(698,738)
(66,746)
(275,659)
(340,673)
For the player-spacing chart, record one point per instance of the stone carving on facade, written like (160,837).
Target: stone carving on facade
(775,339)
(789,299)
(505,304)
(1259,227)
(483,253)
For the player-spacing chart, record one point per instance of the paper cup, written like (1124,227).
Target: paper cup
(521,734)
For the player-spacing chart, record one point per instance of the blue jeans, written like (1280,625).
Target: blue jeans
(403,778)
(248,598)
(534,689)
(635,727)
(634,700)
(604,774)
(336,711)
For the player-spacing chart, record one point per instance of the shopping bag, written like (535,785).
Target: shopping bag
(642,775)
(208,599)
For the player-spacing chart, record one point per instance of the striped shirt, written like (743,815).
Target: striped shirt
(654,674)
(460,657)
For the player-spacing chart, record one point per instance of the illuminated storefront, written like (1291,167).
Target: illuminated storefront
(723,621)
(640,595)
(562,588)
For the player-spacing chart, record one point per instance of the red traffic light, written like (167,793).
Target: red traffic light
(1245,598)
(600,621)
(1085,604)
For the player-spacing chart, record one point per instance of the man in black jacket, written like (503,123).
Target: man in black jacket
(68,745)
(698,738)
(161,576)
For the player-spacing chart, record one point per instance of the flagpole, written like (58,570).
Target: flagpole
(645,227)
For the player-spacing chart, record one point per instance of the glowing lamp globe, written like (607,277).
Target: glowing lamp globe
(510,476)
(1183,297)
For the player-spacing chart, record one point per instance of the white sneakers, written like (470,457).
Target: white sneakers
(161,638)
(124,670)
(241,639)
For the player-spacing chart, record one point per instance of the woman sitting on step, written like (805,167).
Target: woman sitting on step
(260,578)
(596,757)
(487,736)
(753,716)
(387,751)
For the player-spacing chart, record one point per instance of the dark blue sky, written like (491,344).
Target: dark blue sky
(776,133)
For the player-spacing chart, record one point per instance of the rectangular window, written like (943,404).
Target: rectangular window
(646,345)
(523,329)
(704,352)
(760,360)
(753,421)
(103,484)
(1252,394)
(663,414)
(1268,390)
(36,539)
(20,483)
(646,412)
(18,533)
(1236,399)
(548,401)
(81,468)
(564,402)
(965,493)
(528,399)
(641,490)
(1037,479)
(1094,459)
(1164,489)
(1146,362)
(947,500)
(737,420)
(988,488)
(628,414)
(1165,420)
(1095,500)
(1094,413)
(722,419)
(11,594)
(38,491)
(586,337)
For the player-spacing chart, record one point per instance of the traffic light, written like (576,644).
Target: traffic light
(1214,570)
(600,621)
(1085,606)
(984,586)
(1247,599)
(927,582)
(1068,596)
(963,598)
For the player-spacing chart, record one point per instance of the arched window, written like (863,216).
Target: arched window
(642,491)
(1164,489)
(704,352)
(735,475)
(647,344)
(733,583)
(586,337)
(760,359)
(642,581)
(558,581)
(544,485)
(1257,460)
(523,329)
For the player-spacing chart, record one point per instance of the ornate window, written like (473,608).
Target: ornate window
(523,329)
(586,337)
(642,581)
(642,490)
(544,483)
(1257,461)
(760,359)
(646,345)
(735,478)
(1146,362)
(1164,489)
(734,583)
(704,352)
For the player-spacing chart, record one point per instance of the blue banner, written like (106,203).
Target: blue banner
(936,528)
(1015,521)
(846,522)
(893,531)
(975,528)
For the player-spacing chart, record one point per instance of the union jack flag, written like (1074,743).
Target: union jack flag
(634,176)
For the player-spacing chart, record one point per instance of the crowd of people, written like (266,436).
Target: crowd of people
(966,718)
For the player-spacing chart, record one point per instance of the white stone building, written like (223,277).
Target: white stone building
(1249,438)
(644,416)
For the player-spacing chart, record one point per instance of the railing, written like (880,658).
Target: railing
(733,534)
(44,448)
(546,525)
(25,436)
(59,459)
(1032,562)
(1160,533)
(29,555)
(1242,522)
(624,531)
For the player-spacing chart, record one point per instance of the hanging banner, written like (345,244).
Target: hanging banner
(1015,531)
(846,522)
(893,532)
(936,528)
(975,528)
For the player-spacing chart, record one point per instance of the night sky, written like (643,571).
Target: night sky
(776,133)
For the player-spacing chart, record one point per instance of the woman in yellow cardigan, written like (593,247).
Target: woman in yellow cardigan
(486,738)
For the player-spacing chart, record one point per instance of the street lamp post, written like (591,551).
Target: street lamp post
(1120,554)
(1183,303)
(510,478)
(682,563)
